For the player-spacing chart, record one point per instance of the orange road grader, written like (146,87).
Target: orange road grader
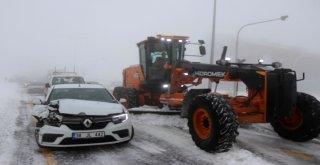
(164,77)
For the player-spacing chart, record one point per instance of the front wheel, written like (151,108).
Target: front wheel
(132,97)
(212,123)
(304,123)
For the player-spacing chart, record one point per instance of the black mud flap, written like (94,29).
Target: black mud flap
(282,93)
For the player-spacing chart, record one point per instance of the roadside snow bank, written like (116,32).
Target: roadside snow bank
(9,101)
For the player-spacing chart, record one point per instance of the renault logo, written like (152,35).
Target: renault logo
(87,123)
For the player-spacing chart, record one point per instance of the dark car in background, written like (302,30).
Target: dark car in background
(35,88)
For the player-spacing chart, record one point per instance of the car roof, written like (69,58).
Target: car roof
(78,86)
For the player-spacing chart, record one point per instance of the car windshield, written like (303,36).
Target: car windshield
(92,94)
(67,80)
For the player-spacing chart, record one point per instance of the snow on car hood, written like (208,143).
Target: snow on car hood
(72,106)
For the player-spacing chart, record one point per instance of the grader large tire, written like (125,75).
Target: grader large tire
(132,97)
(212,123)
(187,100)
(304,122)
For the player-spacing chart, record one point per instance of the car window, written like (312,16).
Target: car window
(92,94)
(67,80)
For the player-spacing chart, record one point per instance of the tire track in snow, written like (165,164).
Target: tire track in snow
(76,155)
(263,141)
(27,151)
(147,149)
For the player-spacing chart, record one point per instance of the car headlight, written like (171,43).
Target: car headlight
(165,86)
(54,119)
(119,118)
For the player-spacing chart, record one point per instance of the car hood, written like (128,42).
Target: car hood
(74,107)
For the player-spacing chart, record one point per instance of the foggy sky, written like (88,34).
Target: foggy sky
(99,36)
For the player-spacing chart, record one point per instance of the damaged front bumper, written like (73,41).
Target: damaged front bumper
(74,136)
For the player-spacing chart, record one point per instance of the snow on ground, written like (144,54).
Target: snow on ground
(9,101)
(17,144)
(161,120)
(174,130)
(158,137)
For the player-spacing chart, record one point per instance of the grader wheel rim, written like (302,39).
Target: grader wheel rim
(202,123)
(294,121)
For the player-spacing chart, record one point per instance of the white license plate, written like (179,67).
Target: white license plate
(87,135)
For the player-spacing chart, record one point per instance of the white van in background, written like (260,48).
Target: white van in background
(63,78)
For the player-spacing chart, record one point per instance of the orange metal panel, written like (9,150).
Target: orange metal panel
(251,118)
(133,77)
(175,99)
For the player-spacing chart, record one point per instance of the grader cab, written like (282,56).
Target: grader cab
(143,84)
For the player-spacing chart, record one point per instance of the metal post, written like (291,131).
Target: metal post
(213,37)
(282,18)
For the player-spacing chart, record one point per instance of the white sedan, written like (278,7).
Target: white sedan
(80,115)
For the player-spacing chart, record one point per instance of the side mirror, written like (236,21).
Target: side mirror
(36,101)
(122,100)
(202,50)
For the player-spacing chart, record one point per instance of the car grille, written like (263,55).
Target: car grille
(75,122)
(70,141)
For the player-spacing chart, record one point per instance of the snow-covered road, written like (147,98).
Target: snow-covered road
(159,139)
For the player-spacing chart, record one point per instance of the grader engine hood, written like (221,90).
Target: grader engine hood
(205,70)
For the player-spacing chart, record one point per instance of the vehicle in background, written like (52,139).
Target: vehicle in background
(80,115)
(92,82)
(35,88)
(63,78)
